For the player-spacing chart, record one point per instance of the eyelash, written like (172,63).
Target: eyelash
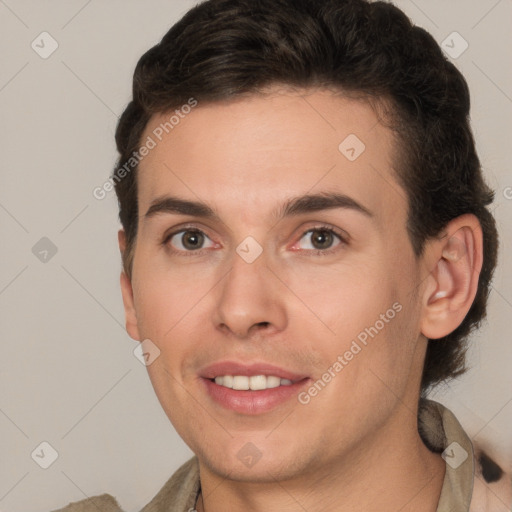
(199,252)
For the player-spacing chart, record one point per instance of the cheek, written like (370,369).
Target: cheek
(167,314)
(174,311)
(362,314)
(163,298)
(343,300)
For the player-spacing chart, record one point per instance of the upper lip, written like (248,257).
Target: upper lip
(233,368)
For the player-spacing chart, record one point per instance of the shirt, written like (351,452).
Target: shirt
(440,431)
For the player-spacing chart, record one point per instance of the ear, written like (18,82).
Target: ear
(127,293)
(456,260)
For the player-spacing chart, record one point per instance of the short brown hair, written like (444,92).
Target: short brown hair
(223,49)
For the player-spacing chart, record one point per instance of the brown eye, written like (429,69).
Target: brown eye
(187,240)
(321,240)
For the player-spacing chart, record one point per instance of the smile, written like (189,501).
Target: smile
(254,382)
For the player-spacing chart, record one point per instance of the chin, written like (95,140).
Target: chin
(263,471)
(255,458)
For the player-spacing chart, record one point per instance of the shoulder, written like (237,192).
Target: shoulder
(178,493)
(489,484)
(103,502)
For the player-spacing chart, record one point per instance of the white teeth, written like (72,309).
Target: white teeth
(255,382)
(240,382)
(258,382)
(228,381)
(273,382)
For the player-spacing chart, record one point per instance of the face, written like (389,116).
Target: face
(261,283)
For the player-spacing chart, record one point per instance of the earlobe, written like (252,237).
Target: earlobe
(454,279)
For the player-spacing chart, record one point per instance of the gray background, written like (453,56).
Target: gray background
(68,373)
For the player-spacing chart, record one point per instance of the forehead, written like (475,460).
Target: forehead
(252,153)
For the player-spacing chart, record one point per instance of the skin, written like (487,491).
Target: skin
(355,445)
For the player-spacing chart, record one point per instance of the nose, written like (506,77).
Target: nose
(250,300)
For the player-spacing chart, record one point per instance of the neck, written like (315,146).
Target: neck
(389,472)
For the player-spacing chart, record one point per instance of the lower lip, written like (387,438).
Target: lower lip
(253,402)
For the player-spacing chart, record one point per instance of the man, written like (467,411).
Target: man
(306,246)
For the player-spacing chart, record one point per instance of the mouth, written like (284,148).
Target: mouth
(251,389)
(253,382)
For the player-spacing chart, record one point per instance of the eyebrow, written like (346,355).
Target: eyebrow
(293,206)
